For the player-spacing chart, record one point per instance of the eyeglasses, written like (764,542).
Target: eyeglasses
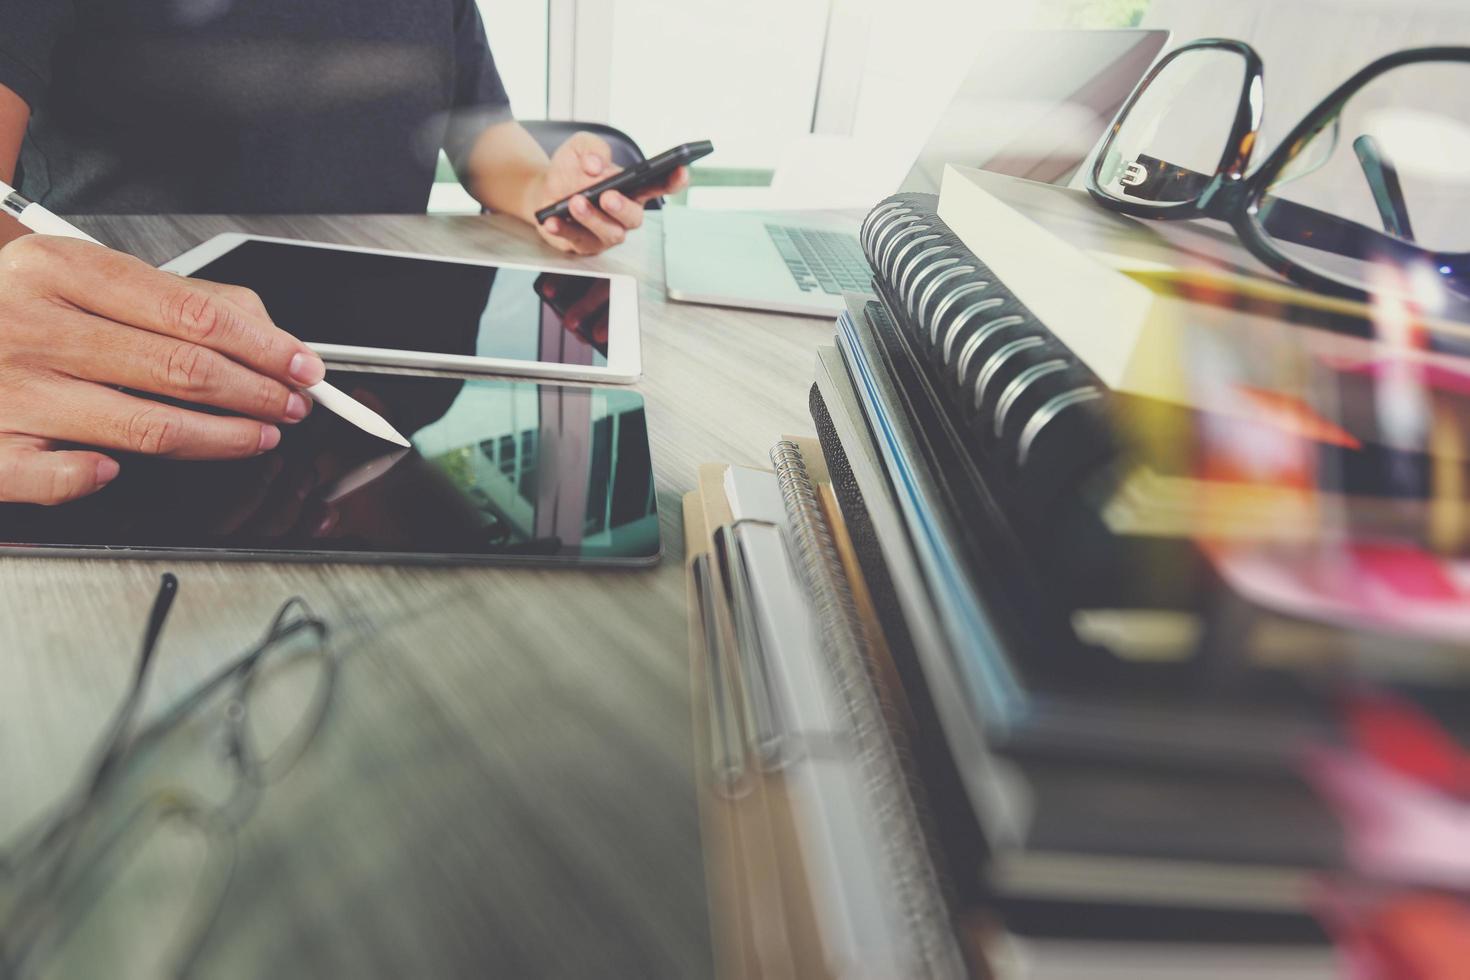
(1391,213)
(153,818)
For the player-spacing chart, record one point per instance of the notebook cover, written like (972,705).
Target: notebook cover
(957,843)
(1062,835)
(761,908)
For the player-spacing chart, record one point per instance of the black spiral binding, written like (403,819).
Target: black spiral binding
(1032,410)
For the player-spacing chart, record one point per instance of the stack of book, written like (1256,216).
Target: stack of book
(1154,547)
(1164,577)
(817,862)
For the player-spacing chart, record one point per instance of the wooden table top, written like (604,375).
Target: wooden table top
(502,786)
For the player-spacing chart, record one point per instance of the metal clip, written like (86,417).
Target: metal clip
(768,734)
(726,747)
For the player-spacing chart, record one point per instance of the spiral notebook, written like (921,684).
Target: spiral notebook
(1043,495)
(818,862)
(1025,405)
(977,459)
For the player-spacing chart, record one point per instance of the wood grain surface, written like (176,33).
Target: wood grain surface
(503,785)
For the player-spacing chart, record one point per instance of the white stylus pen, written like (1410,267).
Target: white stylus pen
(43,222)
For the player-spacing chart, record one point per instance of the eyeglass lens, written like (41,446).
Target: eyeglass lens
(149,861)
(135,912)
(285,699)
(1392,168)
(1170,142)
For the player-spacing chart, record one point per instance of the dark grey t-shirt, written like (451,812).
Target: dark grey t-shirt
(245,106)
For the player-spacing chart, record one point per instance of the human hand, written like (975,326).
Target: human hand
(584,160)
(78,321)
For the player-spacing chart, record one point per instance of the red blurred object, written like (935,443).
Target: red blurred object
(1293,415)
(1405,936)
(1400,736)
(1401,791)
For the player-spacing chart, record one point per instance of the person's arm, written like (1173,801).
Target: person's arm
(507,171)
(78,322)
(15,115)
(83,327)
(504,168)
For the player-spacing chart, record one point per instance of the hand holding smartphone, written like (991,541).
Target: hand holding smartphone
(649,173)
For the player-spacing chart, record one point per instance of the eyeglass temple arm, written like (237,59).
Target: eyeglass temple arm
(1302,224)
(1383,181)
(168,590)
(1286,220)
(56,831)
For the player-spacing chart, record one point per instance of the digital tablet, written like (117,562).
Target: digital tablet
(371,306)
(500,471)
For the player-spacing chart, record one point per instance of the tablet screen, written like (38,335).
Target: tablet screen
(498,471)
(361,299)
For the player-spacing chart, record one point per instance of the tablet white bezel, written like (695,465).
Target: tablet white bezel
(624,344)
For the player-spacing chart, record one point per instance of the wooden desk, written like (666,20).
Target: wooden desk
(503,786)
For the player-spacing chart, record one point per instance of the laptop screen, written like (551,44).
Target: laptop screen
(1036,103)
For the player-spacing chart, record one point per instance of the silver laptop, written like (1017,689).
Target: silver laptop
(1034,106)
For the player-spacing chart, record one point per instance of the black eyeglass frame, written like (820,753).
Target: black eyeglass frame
(42,861)
(1234,196)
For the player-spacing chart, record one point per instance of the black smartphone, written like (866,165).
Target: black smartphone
(648,173)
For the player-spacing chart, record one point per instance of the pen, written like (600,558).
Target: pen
(43,222)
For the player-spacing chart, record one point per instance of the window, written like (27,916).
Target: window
(760,76)
(518,35)
(754,76)
(741,74)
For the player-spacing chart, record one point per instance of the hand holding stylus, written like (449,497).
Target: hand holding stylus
(79,321)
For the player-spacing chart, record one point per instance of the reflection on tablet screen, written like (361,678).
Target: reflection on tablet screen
(498,470)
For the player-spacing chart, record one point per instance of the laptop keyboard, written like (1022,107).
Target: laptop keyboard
(831,261)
